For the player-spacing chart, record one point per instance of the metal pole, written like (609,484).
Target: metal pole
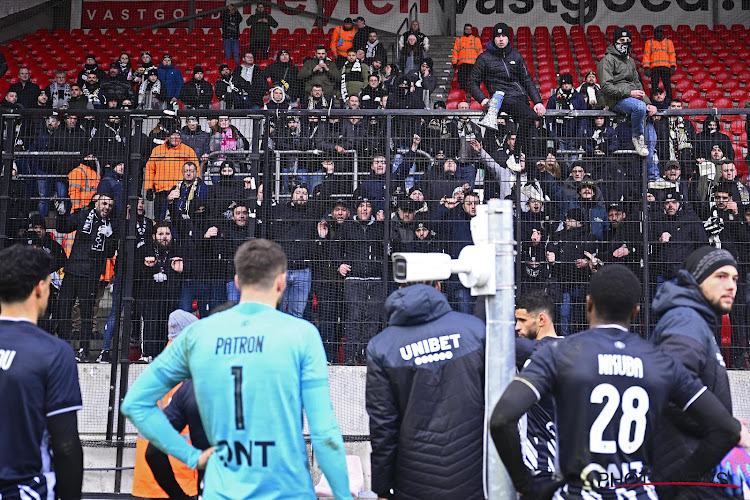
(646,308)
(134,186)
(501,347)
(10,133)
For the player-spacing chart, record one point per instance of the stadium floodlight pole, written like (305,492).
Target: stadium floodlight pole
(487,268)
(500,347)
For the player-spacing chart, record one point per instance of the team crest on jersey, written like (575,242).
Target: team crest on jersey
(620,345)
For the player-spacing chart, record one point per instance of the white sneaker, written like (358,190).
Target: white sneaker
(145,359)
(640,145)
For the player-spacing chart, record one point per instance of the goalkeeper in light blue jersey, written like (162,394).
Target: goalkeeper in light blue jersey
(254,370)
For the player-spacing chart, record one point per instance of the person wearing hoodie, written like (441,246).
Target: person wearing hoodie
(424,80)
(622,88)
(197,93)
(502,68)
(285,74)
(426,411)
(712,136)
(226,194)
(146,64)
(278,102)
(171,78)
(690,310)
(112,182)
(594,213)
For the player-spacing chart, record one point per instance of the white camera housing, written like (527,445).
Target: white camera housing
(413,266)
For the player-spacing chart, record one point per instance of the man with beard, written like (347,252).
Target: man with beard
(623,242)
(225,90)
(251,82)
(674,234)
(164,168)
(374,50)
(358,257)
(197,92)
(293,227)
(93,92)
(441,182)
(225,194)
(218,246)
(320,70)
(594,213)
(591,91)
(89,66)
(96,241)
(160,267)
(536,273)
(402,230)
(691,310)
(327,281)
(677,139)
(354,75)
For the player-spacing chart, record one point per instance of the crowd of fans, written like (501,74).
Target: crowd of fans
(576,182)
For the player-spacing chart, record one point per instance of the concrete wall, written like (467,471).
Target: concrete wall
(347,391)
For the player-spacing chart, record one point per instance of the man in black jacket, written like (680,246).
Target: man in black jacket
(691,311)
(358,257)
(425,398)
(197,93)
(250,80)
(502,68)
(96,241)
(293,227)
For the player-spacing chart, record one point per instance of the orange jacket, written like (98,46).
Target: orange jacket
(466,49)
(659,54)
(342,40)
(82,184)
(164,168)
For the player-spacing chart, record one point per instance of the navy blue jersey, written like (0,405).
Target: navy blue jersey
(38,379)
(610,388)
(182,410)
(538,429)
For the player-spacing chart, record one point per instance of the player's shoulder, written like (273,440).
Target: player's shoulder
(26,335)
(252,313)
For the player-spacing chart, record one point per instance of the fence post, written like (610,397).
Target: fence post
(646,307)
(500,350)
(133,186)
(387,207)
(8,126)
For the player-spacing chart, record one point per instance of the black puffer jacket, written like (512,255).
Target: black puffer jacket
(686,331)
(502,69)
(425,399)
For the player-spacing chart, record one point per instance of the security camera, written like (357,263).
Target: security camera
(411,267)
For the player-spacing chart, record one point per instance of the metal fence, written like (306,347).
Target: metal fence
(342,190)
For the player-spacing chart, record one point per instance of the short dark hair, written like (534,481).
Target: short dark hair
(21,268)
(615,291)
(259,262)
(162,223)
(537,301)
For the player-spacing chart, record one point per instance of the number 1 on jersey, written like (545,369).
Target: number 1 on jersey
(239,416)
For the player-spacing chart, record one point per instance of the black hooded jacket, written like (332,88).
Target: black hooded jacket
(687,331)
(425,399)
(503,69)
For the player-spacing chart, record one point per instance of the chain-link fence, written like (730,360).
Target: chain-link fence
(143,211)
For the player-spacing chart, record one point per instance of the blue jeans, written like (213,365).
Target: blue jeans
(636,109)
(209,294)
(44,183)
(232,50)
(233,293)
(650,137)
(572,315)
(298,283)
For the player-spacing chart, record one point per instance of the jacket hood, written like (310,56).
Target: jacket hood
(685,293)
(416,304)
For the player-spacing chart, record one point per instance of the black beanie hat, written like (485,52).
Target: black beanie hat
(501,29)
(701,263)
(621,32)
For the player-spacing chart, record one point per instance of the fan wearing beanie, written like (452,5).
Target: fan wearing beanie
(690,312)
(504,73)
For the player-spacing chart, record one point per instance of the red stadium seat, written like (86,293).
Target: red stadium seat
(737,68)
(714,94)
(456,95)
(730,85)
(452,105)
(697,103)
(739,96)
(707,85)
(723,103)
(689,94)
(683,85)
